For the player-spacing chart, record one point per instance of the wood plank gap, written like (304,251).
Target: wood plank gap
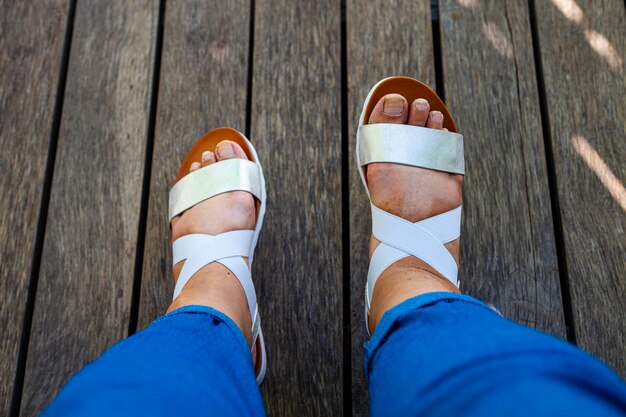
(18,384)
(345,218)
(434,18)
(552,181)
(250,70)
(145,186)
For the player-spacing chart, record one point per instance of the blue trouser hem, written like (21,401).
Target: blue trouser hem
(192,361)
(391,317)
(215,314)
(442,354)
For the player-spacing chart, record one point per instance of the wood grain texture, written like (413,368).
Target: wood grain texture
(30,63)
(86,277)
(204,67)
(508,249)
(296,126)
(383,39)
(582,51)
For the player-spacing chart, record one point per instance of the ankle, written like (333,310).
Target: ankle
(216,287)
(401,282)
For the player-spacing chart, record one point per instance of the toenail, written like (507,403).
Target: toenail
(195,165)
(436,117)
(393,106)
(225,149)
(207,155)
(421,104)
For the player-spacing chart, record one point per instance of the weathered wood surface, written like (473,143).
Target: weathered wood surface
(383,39)
(83,300)
(508,251)
(30,64)
(296,125)
(86,277)
(583,47)
(204,67)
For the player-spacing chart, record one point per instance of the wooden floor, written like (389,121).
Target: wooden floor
(100,99)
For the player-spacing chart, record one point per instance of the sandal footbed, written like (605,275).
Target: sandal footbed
(411,89)
(209,142)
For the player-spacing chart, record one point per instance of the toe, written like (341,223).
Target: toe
(208,158)
(435,120)
(227,149)
(194,166)
(392,108)
(418,113)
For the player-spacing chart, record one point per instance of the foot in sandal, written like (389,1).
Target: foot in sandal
(216,213)
(407,178)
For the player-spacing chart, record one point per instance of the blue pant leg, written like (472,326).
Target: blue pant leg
(194,361)
(443,354)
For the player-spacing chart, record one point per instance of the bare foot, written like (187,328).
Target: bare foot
(413,194)
(215,285)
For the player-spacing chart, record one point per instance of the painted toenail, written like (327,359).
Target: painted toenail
(393,106)
(207,155)
(225,149)
(421,105)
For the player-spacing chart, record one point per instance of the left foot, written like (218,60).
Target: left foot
(414,194)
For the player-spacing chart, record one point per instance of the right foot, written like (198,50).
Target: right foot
(214,285)
(414,194)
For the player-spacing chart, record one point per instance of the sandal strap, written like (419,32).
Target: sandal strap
(199,250)
(424,240)
(411,145)
(228,249)
(222,177)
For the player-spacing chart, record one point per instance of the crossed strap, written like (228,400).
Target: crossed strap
(228,249)
(424,240)
(399,238)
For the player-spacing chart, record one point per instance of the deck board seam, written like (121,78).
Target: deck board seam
(437,55)
(147,174)
(552,180)
(345,218)
(250,71)
(20,372)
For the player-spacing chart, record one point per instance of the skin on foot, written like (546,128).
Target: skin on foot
(414,194)
(215,285)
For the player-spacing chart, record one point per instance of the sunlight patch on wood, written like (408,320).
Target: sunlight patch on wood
(570,9)
(468,4)
(498,39)
(594,161)
(601,45)
(597,41)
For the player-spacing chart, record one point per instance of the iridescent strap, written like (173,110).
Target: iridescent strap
(229,175)
(411,145)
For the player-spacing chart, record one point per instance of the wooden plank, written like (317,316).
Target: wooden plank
(583,45)
(30,64)
(296,115)
(86,277)
(383,38)
(204,67)
(508,255)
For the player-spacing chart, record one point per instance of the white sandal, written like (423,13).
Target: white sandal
(198,250)
(416,146)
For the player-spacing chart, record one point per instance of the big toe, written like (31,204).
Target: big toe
(391,108)
(227,149)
